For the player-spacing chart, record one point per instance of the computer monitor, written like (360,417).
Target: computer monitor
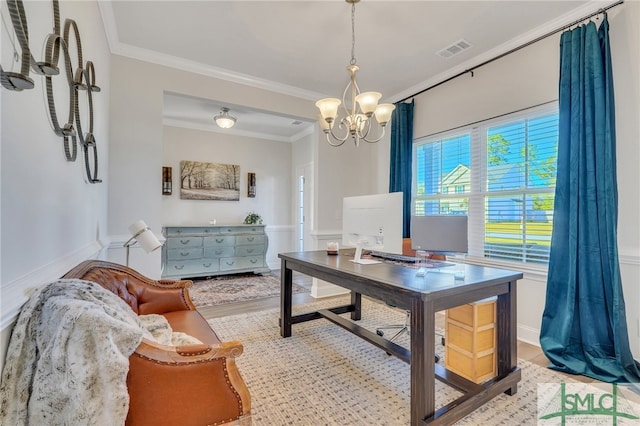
(439,233)
(372,222)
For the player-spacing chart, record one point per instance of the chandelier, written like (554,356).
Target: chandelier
(224,120)
(356,122)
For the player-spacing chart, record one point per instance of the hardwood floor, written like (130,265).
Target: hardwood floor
(526,351)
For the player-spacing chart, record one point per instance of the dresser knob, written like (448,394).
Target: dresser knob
(179,266)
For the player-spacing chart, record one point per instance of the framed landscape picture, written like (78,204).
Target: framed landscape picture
(209,181)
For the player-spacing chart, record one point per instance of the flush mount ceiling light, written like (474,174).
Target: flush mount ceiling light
(224,120)
(357,121)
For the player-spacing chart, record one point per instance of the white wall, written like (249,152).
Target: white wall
(137,150)
(269,160)
(530,77)
(51,218)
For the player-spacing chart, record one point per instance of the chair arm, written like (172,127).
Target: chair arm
(188,353)
(159,300)
(187,385)
(174,283)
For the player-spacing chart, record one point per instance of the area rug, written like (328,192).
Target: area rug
(324,375)
(236,288)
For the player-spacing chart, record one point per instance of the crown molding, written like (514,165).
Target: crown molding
(559,22)
(133,52)
(215,129)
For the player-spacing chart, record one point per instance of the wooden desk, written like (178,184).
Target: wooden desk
(423,297)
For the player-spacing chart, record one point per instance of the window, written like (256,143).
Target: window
(501,174)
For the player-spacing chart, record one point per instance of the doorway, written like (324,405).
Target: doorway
(303,216)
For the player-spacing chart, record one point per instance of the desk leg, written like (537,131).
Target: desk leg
(423,382)
(356,300)
(507,319)
(286,291)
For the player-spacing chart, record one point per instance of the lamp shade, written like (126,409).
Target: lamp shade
(368,102)
(328,108)
(143,235)
(383,113)
(224,120)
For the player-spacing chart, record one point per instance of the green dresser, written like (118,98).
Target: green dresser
(200,251)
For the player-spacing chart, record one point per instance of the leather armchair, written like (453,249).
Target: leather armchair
(186,385)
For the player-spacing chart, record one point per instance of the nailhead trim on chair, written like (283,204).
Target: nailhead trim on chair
(202,352)
(226,377)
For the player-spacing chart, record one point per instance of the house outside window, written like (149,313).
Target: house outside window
(501,173)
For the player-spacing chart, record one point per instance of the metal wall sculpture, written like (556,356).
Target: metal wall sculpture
(83,79)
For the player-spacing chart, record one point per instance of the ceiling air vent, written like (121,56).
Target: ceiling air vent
(454,49)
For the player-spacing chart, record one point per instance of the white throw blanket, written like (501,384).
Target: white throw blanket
(68,357)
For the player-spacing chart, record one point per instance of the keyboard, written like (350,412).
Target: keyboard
(409,259)
(393,257)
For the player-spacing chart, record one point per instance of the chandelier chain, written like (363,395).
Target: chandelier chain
(353,34)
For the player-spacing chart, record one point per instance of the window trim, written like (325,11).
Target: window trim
(476,197)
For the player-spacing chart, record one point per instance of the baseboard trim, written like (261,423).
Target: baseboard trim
(528,335)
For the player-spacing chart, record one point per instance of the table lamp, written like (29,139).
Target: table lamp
(143,235)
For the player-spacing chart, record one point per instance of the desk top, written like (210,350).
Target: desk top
(398,283)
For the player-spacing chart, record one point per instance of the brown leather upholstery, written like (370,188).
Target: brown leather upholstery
(408,251)
(185,385)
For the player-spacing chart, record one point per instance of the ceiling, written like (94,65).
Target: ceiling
(301,48)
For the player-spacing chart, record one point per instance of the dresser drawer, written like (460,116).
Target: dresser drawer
(249,250)
(220,241)
(250,239)
(189,230)
(241,229)
(231,263)
(185,268)
(220,251)
(181,242)
(184,253)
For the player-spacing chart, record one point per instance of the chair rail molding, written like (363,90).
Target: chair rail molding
(16,293)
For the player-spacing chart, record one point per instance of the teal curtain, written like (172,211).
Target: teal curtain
(584,328)
(400,167)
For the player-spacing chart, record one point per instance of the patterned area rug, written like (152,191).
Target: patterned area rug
(324,375)
(236,288)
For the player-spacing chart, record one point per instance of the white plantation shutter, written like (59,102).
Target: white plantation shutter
(442,179)
(501,173)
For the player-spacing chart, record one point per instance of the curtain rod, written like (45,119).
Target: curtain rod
(515,49)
